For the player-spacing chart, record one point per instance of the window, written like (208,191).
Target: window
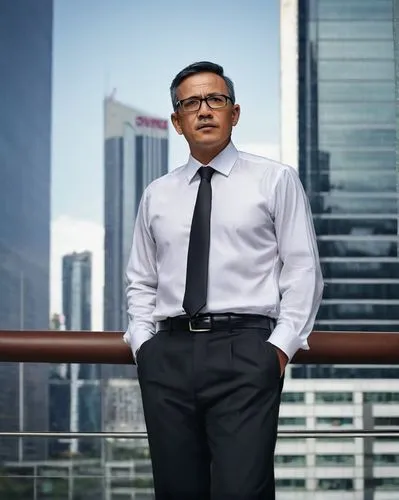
(334,397)
(292,421)
(354,247)
(356,136)
(331,460)
(356,112)
(143,468)
(355,49)
(360,290)
(293,397)
(335,484)
(334,421)
(358,268)
(290,484)
(356,70)
(290,460)
(366,30)
(386,421)
(361,91)
(359,311)
(344,226)
(382,483)
(381,397)
(386,459)
(355,9)
(361,159)
(343,203)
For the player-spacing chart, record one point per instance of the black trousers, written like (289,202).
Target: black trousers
(211,403)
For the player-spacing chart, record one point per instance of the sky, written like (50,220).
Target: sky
(135,48)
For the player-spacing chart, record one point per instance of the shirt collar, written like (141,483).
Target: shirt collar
(222,163)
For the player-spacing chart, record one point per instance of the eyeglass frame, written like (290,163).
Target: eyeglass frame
(201,100)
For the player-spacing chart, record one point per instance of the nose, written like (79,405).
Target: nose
(204,111)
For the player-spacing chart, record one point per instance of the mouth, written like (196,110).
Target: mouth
(205,126)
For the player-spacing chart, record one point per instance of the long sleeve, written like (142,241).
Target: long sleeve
(301,281)
(142,281)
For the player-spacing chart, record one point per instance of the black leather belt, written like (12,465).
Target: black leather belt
(216,322)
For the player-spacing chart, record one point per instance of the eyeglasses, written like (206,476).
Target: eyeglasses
(192,104)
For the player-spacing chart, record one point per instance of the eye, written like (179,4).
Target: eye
(216,99)
(190,103)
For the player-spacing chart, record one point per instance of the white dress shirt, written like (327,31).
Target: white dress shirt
(263,254)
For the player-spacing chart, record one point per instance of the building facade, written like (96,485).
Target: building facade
(25,134)
(136,153)
(75,389)
(76,290)
(396,54)
(339,130)
(338,467)
(318,468)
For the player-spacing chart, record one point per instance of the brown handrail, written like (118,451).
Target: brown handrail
(109,348)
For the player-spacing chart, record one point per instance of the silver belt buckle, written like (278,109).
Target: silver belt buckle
(193,329)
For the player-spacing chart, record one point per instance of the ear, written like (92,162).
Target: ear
(236,111)
(175,118)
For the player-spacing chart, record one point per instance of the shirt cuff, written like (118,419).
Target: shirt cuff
(287,340)
(135,341)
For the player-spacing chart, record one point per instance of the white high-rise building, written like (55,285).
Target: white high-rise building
(136,153)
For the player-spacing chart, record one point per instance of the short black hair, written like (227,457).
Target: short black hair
(200,67)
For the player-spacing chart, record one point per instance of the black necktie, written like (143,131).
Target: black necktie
(198,248)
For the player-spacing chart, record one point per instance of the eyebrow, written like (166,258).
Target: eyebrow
(197,96)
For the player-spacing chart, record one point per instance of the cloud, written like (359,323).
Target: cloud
(69,235)
(271,151)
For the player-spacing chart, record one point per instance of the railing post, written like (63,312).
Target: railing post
(368,425)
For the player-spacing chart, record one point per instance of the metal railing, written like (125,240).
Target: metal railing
(108,347)
(53,346)
(360,433)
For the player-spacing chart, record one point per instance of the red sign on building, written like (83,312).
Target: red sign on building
(146,121)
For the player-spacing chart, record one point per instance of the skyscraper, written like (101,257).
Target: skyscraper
(75,399)
(339,129)
(136,153)
(76,290)
(25,134)
(396,54)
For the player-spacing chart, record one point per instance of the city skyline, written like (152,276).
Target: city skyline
(333,119)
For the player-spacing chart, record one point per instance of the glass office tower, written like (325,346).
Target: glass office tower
(26,34)
(339,129)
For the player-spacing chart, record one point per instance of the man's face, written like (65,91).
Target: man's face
(205,129)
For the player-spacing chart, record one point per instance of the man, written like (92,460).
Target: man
(223,288)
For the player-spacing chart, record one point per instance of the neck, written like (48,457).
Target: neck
(205,156)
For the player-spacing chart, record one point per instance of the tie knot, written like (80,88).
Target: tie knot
(206,173)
